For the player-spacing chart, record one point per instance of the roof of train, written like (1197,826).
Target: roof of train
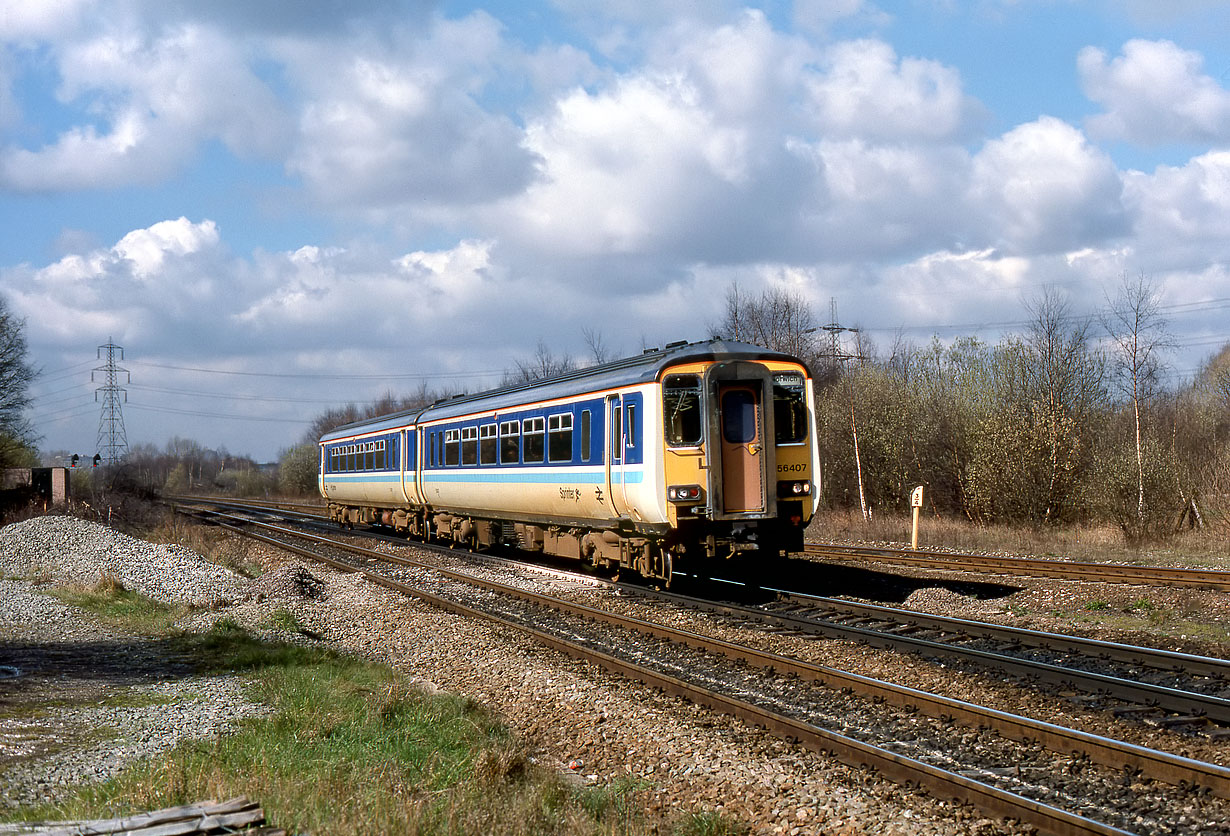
(641,368)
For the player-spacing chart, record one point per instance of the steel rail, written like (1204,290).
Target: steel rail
(1097,648)
(1144,693)
(1071,570)
(1119,755)
(265,504)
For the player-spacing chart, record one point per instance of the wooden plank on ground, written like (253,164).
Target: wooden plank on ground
(185,820)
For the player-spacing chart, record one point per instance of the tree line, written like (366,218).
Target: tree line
(1068,422)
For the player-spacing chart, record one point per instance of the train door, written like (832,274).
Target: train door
(742,440)
(615,455)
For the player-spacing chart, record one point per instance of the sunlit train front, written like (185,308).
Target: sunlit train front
(695,453)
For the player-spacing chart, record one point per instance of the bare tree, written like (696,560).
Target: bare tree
(777,319)
(599,352)
(1139,339)
(16,374)
(542,365)
(1063,384)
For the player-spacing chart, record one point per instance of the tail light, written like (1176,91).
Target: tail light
(793,489)
(683,493)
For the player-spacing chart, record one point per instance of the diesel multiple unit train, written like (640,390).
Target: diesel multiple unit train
(680,456)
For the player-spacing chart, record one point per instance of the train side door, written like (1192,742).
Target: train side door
(615,455)
(742,434)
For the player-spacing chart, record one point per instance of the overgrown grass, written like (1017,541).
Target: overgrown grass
(350,748)
(1204,548)
(208,541)
(120,607)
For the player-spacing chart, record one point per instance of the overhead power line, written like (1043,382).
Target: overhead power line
(324,376)
(230,396)
(228,416)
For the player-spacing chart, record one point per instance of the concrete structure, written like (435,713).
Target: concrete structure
(50,485)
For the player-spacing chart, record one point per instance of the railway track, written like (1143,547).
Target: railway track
(1172,690)
(893,745)
(1027,566)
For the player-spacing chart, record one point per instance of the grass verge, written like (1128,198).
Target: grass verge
(350,748)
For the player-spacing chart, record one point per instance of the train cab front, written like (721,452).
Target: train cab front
(740,463)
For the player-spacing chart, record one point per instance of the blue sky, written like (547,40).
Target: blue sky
(278,207)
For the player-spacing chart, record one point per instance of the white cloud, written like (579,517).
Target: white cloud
(148,249)
(623,170)
(743,70)
(819,15)
(402,126)
(1155,92)
(865,91)
(453,279)
(22,20)
(1042,188)
(160,280)
(732,141)
(155,102)
(885,201)
(950,286)
(1182,214)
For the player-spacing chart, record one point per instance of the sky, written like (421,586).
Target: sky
(280,207)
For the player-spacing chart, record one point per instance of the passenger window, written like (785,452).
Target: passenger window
(681,410)
(486,444)
(510,442)
(631,425)
(469,445)
(532,430)
(585,435)
(559,432)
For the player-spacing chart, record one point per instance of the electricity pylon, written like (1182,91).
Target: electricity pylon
(112,440)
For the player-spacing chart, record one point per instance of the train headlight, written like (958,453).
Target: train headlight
(794,488)
(683,493)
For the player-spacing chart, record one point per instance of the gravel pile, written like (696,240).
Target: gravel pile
(292,582)
(68,550)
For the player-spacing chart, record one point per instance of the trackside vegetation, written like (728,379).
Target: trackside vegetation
(349,747)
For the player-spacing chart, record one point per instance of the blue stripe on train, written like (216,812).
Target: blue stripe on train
(546,478)
(493,477)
